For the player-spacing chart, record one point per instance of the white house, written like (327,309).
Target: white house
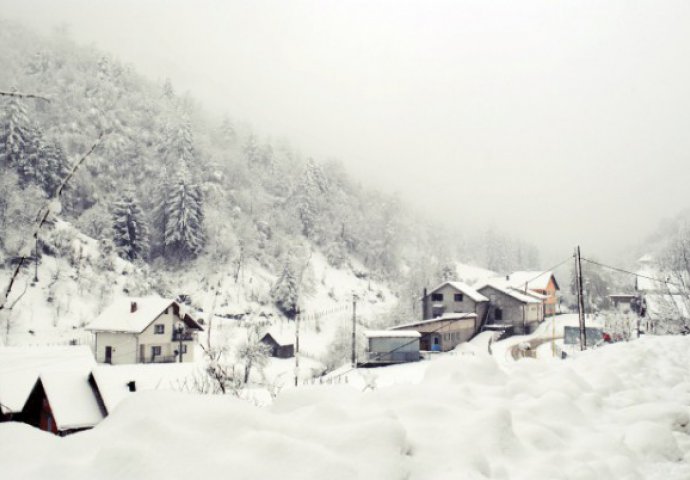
(144,330)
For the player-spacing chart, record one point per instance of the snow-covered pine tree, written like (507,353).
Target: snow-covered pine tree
(227,133)
(251,150)
(177,142)
(184,217)
(15,136)
(43,163)
(447,273)
(285,292)
(168,91)
(130,232)
(56,166)
(160,212)
(309,197)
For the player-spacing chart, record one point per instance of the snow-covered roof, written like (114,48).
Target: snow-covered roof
(464,288)
(73,401)
(281,338)
(118,317)
(444,317)
(392,333)
(20,368)
(517,295)
(112,380)
(533,279)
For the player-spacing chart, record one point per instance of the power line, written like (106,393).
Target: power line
(622,270)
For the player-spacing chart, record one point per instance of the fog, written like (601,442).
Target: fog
(563,123)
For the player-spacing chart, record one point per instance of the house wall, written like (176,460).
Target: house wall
(149,338)
(445,334)
(523,317)
(124,347)
(449,305)
(131,348)
(551,302)
(393,349)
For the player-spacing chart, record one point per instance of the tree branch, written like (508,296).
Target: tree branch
(24,95)
(43,215)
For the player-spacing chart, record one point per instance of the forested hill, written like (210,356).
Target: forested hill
(169,186)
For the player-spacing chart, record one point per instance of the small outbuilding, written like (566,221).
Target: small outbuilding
(280,345)
(443,333)
(392,346)
(63,403)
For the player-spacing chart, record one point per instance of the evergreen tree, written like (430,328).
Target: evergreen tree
(130,232)
(228,135)
(447,273)
(184,216)
(178,142)
(15,136)
(310,199)
(160,212)
(251,150)
(285,292)
(44,163)
(168,91)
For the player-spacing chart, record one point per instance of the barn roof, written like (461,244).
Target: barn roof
(533,279)
(392,333)
(20,368)
(72,400)
(511,292)
(281,338)
(112,380)
(118,317)
(444,317)
(463,288)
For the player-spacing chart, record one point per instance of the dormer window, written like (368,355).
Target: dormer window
(159,329)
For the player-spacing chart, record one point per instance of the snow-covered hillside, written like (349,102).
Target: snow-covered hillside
(81,280)
(617,412)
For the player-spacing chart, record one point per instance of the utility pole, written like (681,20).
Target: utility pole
(354,331)
(297,315)
(36,260)
(580,299)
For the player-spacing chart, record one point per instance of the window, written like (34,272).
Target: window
(158,329)
(498,314)
(155,351)
(458,297)
(436,297)
(184,348)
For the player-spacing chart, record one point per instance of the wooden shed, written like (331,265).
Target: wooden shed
(445,332)
(280,346)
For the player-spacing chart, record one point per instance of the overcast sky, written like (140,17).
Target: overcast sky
(564,122)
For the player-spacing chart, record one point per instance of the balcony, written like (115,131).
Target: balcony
(185,336)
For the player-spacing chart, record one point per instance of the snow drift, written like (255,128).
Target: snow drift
(621,412)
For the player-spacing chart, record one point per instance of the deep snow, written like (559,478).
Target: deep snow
(622,411)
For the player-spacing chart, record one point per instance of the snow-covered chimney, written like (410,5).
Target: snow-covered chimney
(132,307)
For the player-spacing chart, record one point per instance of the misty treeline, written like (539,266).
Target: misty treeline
(169,184)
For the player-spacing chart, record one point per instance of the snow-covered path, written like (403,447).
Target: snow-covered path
(617,412)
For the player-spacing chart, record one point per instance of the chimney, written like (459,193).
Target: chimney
(132,307)
(507,277)
(425,304)
(132,385)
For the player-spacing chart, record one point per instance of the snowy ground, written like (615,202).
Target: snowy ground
(616,412)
